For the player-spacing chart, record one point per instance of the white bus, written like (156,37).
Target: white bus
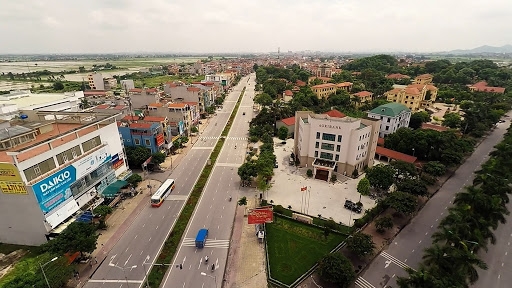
(162,192)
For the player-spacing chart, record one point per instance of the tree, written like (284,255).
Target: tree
(263,99)
(337,269)
(84,103)
(158,158)
(413,186)
(137,155)
(418,118)
(247,171)
(361,244)
(363,187)
(402,202)
(134,179)
(282,133)
(383,223)
(403,170)
(434,168)
(58,86)
(77,237)
(452,120)
(380,176)
(309,173)
(242,201)
(194,129)
(102,210)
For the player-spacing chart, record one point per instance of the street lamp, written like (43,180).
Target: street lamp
(124,271)
(214,277)
(145,271)
(42,269)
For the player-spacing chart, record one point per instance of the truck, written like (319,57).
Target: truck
(202,234)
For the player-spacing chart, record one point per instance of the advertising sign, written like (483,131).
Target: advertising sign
(56,188)
(260,216)
(10,180)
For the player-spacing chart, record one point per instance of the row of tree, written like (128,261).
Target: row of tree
(452,260)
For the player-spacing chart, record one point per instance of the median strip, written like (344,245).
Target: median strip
(170,247)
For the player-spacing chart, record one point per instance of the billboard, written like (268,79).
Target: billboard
(260,216)
(10,180)
(56,188)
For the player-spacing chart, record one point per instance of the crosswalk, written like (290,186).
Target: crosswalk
(393,260)
(210,243)
(363,283)
(227,138)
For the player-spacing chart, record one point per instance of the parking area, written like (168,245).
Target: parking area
(324,198)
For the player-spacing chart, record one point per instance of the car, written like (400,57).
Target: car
(284,142)
(353,206)
(243,113)
(502,121)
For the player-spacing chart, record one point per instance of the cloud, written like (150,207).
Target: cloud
(52,26)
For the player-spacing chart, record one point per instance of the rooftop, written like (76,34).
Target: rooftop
(390,109)
(289,121)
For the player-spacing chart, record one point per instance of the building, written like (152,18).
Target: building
(289,123)
(424,79)
(397,76)
(148,134)
(330,145)
(110,83)
(127,85)
(287,96)
(414,96)
(324,80)
(324,90)
(345,86)
(363,96)
(52,170)
(194,93)
(96,81)
(482,87)
(392,116)
(182,116)
(323,70)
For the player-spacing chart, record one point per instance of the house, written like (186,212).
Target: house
(397,76)
(289,123)
(287,95)
(323,79)
(345,86)
(110,83)
(424,79)
(482,87)
(414,96)
(392,116)
(324,90)
(200,94)
(363,96)
(146,134)
(334,145)
(95,81)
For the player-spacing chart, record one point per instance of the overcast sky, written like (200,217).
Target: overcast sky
(105,26)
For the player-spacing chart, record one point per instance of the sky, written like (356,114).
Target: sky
(259,26)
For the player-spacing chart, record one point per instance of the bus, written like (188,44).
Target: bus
(162,192)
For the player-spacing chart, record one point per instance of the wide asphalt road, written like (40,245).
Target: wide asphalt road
(214,211)
(408,247)
(144,239)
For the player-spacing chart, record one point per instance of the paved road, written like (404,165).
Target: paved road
(407,248)
(146,235)
(214,211)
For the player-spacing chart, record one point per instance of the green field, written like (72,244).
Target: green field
(294,247)
(155,81)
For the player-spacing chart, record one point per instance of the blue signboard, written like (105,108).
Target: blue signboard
(55,189)
(181,127)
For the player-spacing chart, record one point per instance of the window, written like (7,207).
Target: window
(317,135)
(337,158)
(136,141)
(387,128)
(317,145)
(328,137)
(389,120)
(327,146)
(339,138)
(68,155)
(39,169)
(147,142)
(316,153)
(338,147)
(325,155)
(91,143)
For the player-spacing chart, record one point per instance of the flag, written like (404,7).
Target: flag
(305,188)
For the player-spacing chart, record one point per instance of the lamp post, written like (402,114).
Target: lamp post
(214,277)
(124,271)
(145,271)
(42,269)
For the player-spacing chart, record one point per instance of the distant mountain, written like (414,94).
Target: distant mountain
(483,49)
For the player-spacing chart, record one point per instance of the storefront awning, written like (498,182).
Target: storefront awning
(113,188)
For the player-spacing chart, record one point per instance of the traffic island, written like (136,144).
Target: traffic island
(170,247)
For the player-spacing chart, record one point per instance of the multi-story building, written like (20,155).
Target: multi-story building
(182,116)
(423,79)
(127,85)
(324,90)
(392,116)
(345,86)
(324,70)
(482,87)
(147,134)
(96,81)
(110,83)
(363,96)
(194,93)
(53,169)
(334,144)
(414,96)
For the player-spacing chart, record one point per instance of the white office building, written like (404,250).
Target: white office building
(50,171)
(330,145)
(393,116)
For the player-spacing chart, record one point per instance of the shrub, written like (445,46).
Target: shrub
(134,179)
(309,173)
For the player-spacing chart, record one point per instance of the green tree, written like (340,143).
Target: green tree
(194,129)
(263,99)
(103,210)
(402,202)
(247,172)
(282,133)
(403,170)
(57,86)
(361,244)
(380,176)
(383,223)
(363,187)
(452,120)
(158,158)
(77,237)
(137,155)
(434,168)
(418,118)
(242,201)
(337,269)
(309,173)
(413,186)
(134,179)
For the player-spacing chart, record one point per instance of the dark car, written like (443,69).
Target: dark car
(353,206)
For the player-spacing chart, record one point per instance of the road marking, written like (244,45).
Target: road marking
(499,276)
(126,249)
(141,252)
(363,283)
(210,243)
(143,225)
(115,281)
(426,233)
(128,259)
(419,242)
(149,239)
(412,250)
(150,215)
(135,236)
(431,226)
(163,217)
(506,253)
(437,219)
(502,264)
(387,263)
(394,260)
(156,227)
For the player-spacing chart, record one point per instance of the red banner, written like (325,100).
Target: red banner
(260,216)
(160,139)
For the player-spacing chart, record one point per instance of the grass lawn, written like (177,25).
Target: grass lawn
(155,81)
(293,248)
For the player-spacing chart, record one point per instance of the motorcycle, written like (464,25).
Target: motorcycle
(213,267)
(230,198)
(206,260)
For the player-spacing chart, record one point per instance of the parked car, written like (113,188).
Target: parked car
(353,206)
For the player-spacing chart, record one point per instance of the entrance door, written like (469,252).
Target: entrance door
(322,175)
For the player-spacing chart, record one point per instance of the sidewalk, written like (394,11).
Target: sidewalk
(246,257)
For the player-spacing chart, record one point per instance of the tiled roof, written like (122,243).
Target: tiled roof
(300,83)
(141,125)
(130,118)
(136,90)
(397,76)
(335,113)
(151,90)
(288,93)
(390,109)
(363,94)
(176,105)
(119,107)
(156,105)
(327,85)
(193,89)
(190,103)
(344,84)
(394,154)
(412,91)
(289,121)
(102,106)
(94,92)
(424,76)
(433,127)
(380,141)
(154,119)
